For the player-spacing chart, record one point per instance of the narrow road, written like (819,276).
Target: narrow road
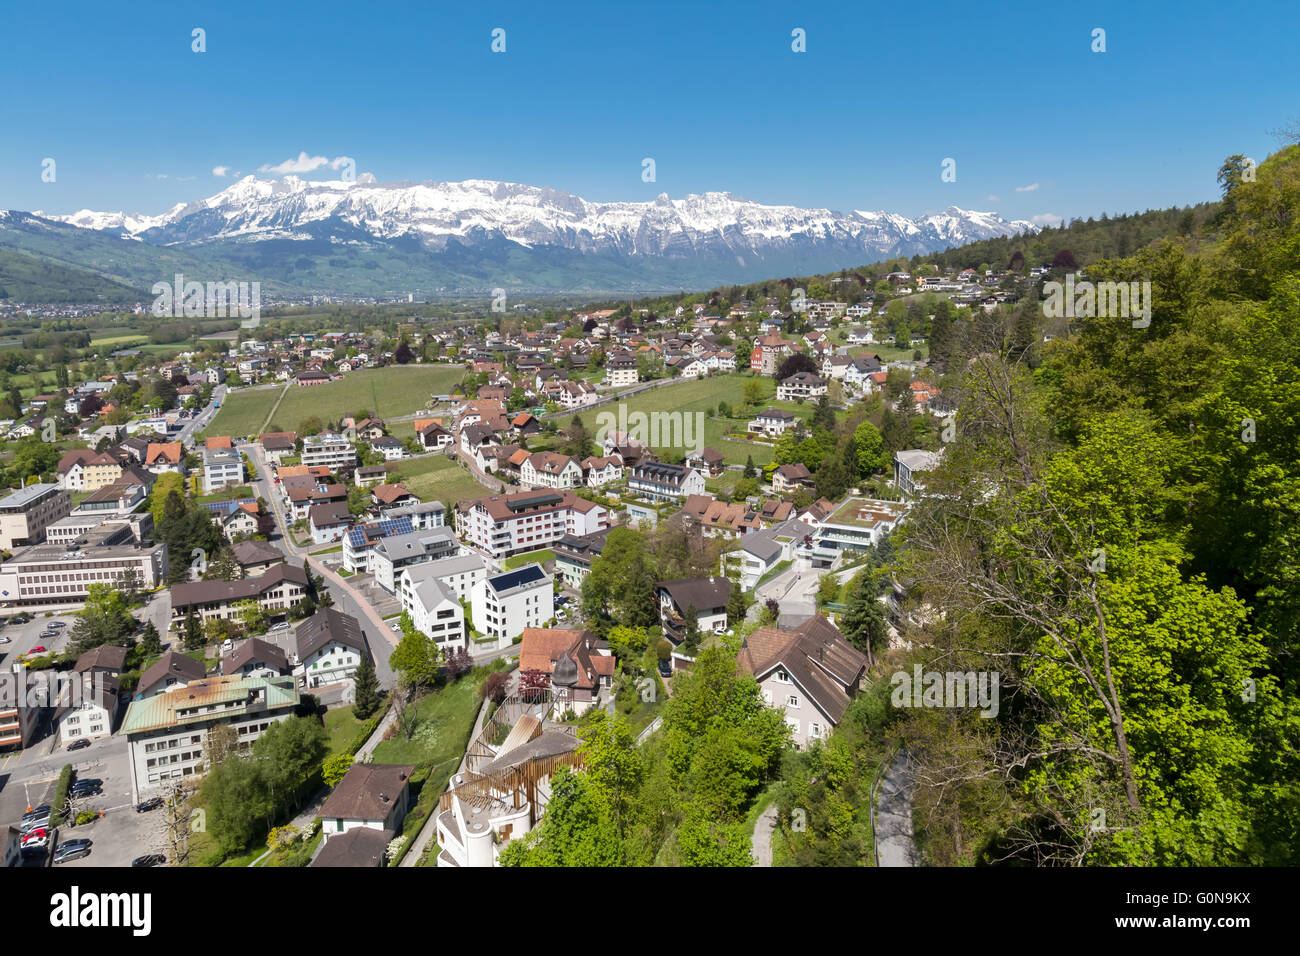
(346,598)
(761,844)
(892,821)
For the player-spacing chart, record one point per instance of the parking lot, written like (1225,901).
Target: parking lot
(19,640)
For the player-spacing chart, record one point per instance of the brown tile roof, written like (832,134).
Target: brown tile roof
(815,655)
(193,593)
(107,657)
(359,847)
(172,663)
(368,791)
(255,552)
(387,494)
(169,452)
(329,624)
(217,441)
(254,649)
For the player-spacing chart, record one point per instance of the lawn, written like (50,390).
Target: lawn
(342,726)
(436,478)
(441,736)
(539,557)
(391,391)
(701,395)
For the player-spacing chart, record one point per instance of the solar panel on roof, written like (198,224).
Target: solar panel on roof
(520,576)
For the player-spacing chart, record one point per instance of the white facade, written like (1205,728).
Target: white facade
(507,603)
(332,451)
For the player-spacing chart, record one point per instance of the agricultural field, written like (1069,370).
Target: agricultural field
(700,396)
(436,478)
(387,392)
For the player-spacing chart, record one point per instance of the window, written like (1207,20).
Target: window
(792,701)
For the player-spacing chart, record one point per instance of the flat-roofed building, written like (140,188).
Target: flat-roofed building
(62,574)
(25,514)
(504,604)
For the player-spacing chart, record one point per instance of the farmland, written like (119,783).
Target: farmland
(700,396)
(387,392)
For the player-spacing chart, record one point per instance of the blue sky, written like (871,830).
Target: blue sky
(1038,124)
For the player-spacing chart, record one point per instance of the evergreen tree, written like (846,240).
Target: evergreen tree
(193,640)
(367,689)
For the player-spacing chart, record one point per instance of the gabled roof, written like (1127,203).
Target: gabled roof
(703,593)
(368,791)
(815,655)
(254,649)
(329,625)
(173,664)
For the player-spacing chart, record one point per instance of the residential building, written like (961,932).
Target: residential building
(504,604)
(602,471)
(788,479)
(359,541)
(84,469)
(221,468)
(579,667)
(909,463)
(162,457)
(423,515)
(328,522)
(505,525)
(395,552)
(550,470)
(859,523)
(255,557)
(171,671)
(370,796)
(800,386)
(433,605)
(573,556)
(93,711)
(254,658)
(329,450)
(621,370)
(811,673)
(331,646)
(708,597)
(276,590)
(660,481)
(773,423)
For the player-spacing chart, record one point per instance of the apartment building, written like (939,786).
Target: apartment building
(660,481)
(222,467)
(504,604)
(620,370)
(800,386)
(167,734)
(504,525)
(396,552)
(360,541)
(27,512)
(84,469)
(276,590)
(434,603)
(330,647)
(329,450)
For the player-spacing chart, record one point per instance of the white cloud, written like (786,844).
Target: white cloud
(306,164)
(1046,219)
(220,170)
(1027,189)
(992,198)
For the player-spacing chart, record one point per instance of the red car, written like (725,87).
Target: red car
(39,836)
(38,649)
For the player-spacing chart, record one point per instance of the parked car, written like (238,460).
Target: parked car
(34,812)
(37,837)
(70,851)
(153,803)
(38,649)
(3,639)
(665,669)
(57,624)
(20,618)
(78,744)
(36,823)
(282,626)
(86,788)
(149,859)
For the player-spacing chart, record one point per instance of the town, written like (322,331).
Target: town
(328,545)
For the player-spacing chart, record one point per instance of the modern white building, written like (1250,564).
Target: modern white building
(504,604)
(396,552)
(435,609)
(221,468)
(331,450)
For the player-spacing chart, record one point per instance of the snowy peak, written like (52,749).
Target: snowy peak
(714,231)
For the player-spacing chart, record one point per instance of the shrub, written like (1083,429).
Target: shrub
(60,801)
(494,687)
(86,816)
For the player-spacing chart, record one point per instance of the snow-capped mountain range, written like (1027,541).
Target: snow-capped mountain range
(712,224)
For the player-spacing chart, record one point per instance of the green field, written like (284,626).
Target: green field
(436,478)
(386,392)
(699,396)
